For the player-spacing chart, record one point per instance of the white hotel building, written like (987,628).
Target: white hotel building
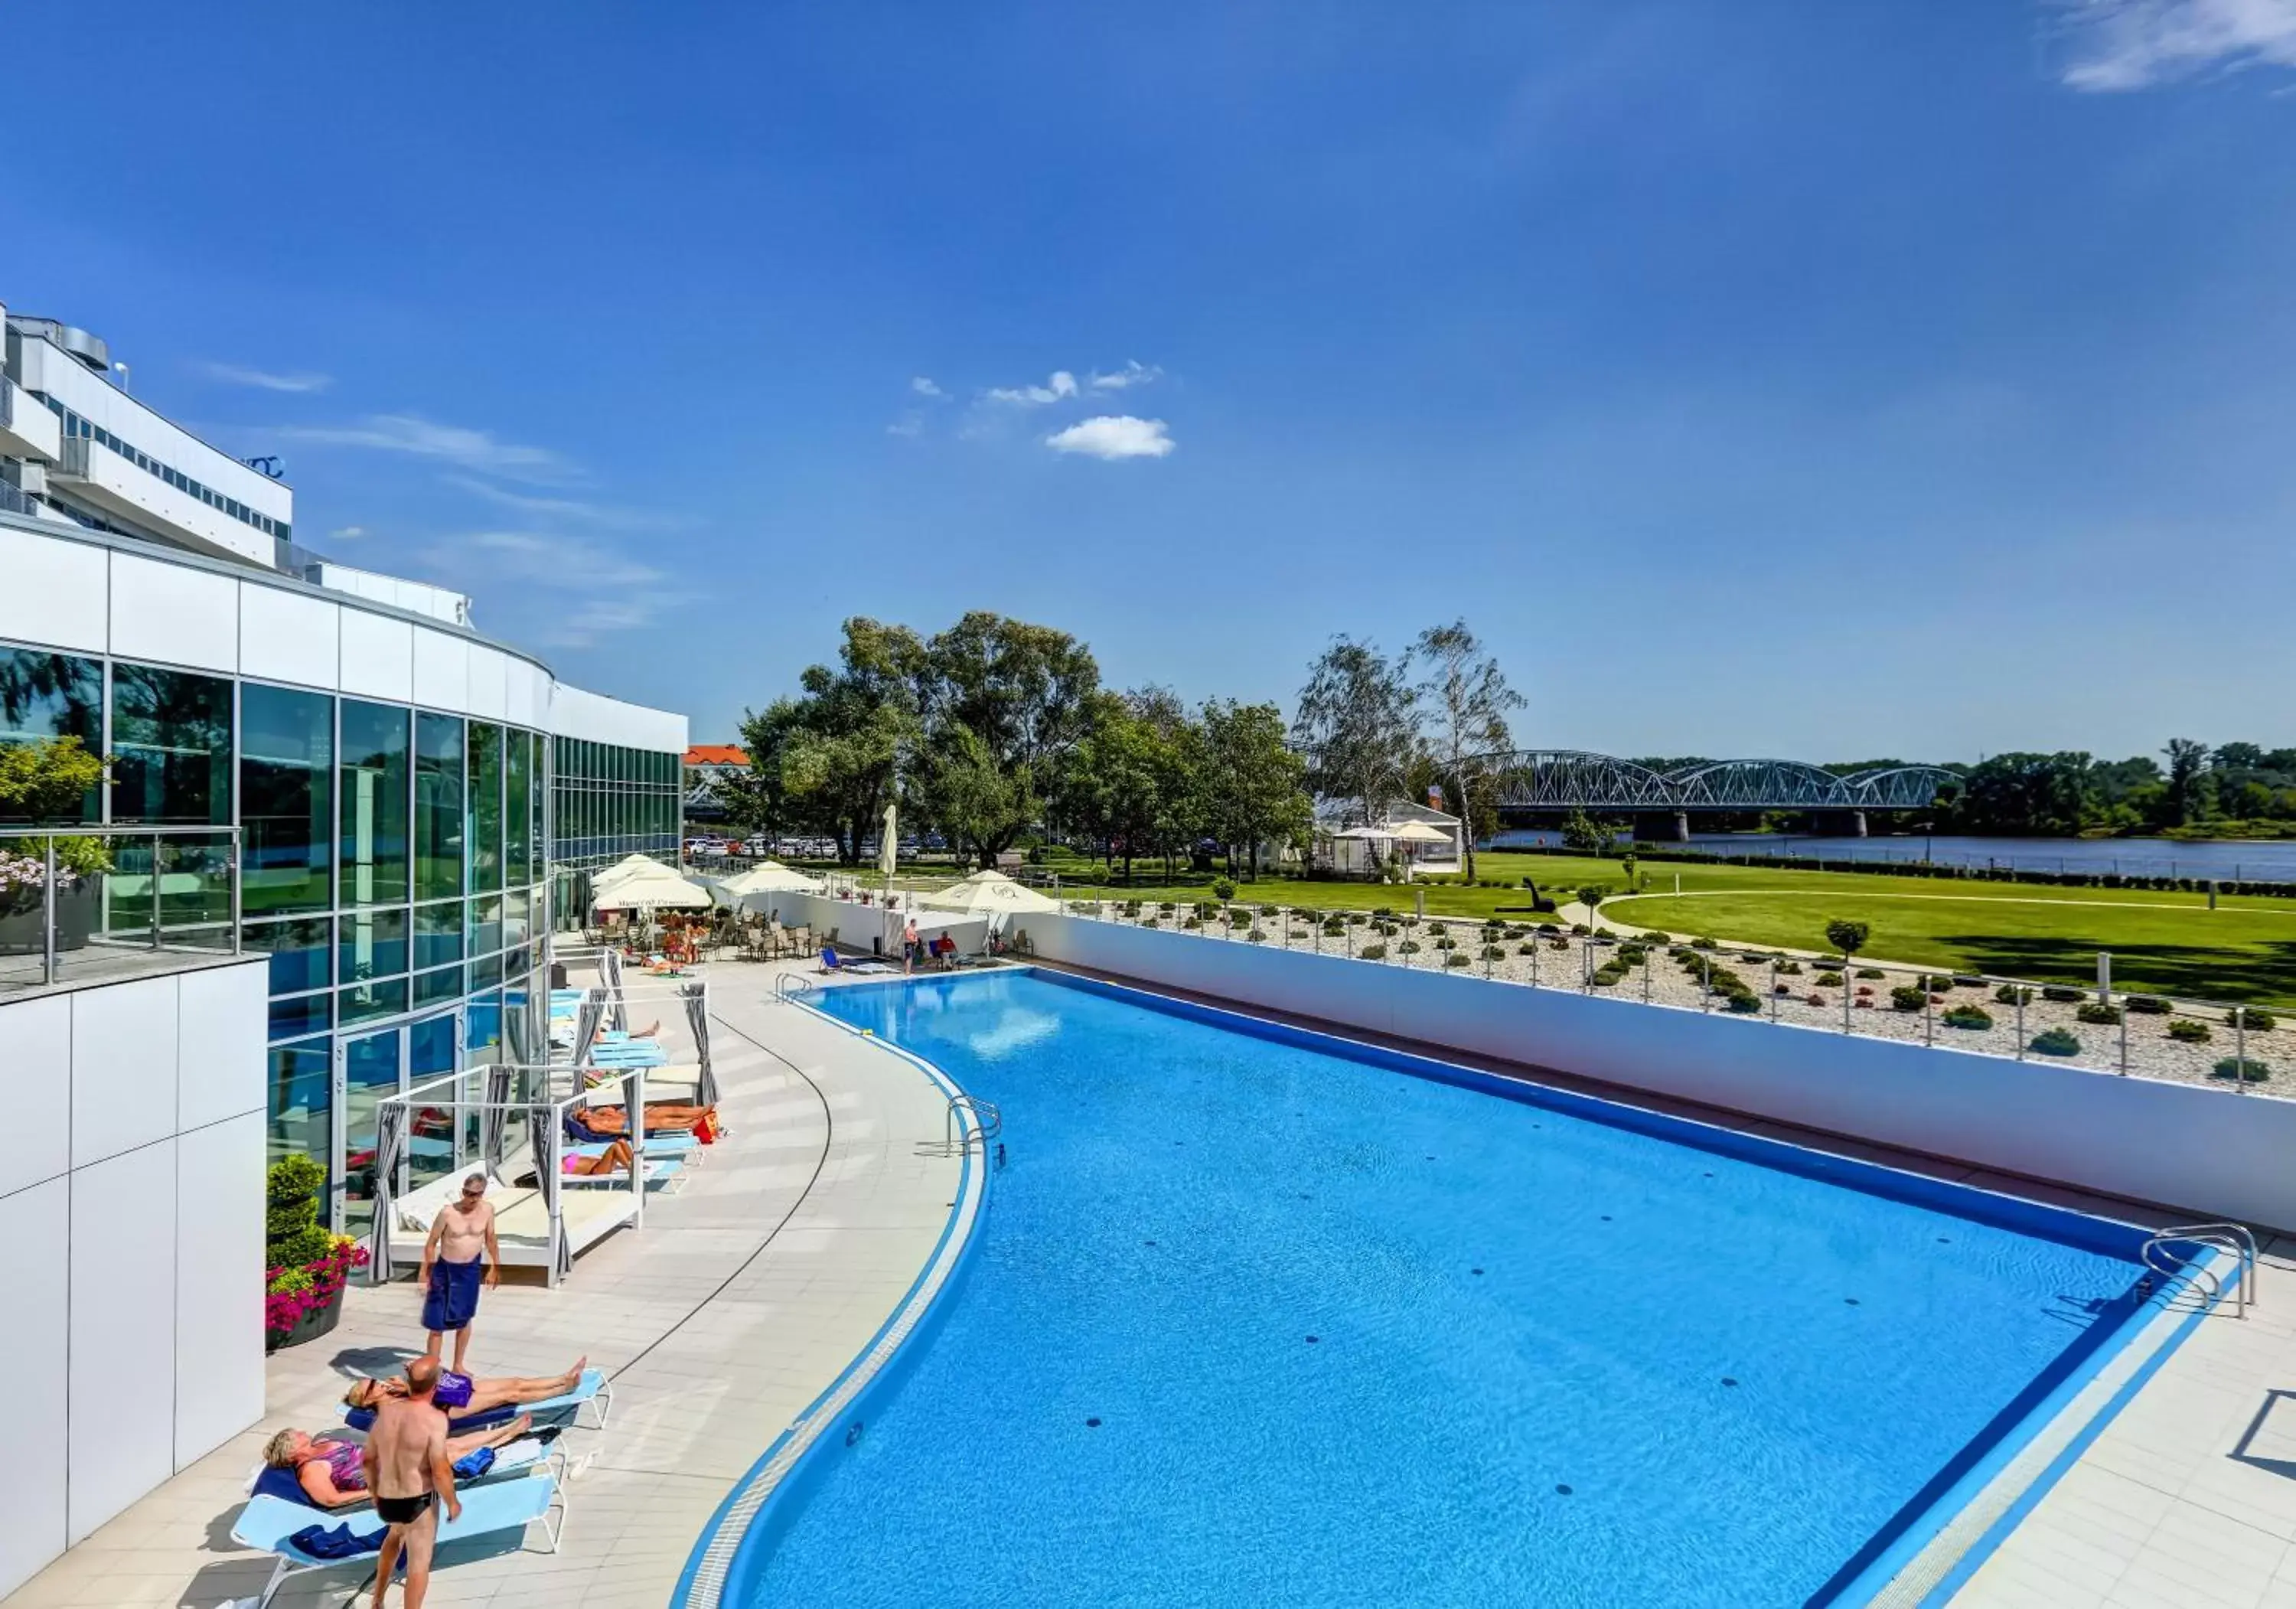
(402,792)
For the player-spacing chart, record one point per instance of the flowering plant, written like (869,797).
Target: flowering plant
(290,1293)
(31,871)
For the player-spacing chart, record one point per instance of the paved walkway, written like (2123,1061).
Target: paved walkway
(739,1302)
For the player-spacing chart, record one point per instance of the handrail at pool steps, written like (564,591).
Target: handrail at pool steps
(2160,1253)
(788,986)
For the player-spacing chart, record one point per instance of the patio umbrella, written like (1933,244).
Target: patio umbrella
(989,894)
(765,877)
(1418,832)
(659,889)
(625,866)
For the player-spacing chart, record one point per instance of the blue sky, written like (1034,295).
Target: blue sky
(1826,380)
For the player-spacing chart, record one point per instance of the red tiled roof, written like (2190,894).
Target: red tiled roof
(717,754)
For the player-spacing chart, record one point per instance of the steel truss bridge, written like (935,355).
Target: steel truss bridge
(1570,779)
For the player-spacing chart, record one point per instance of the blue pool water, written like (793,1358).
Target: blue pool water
(1251,1323)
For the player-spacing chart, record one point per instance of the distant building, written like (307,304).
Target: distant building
(1354,851)
(706,765)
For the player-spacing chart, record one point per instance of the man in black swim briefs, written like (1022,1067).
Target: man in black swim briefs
(406,1466)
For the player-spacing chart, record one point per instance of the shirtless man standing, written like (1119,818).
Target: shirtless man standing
(407,1467)
(453,1269)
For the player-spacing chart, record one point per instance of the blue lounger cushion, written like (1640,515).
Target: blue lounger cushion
(519,1457)
(266,1521)
(585,1390)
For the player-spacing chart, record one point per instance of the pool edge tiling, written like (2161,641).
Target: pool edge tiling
(1918,1554)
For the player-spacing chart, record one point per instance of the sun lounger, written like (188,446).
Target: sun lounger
(678,1147)
(594,1390)
(666,1173)
(520,1458)
(266,1523)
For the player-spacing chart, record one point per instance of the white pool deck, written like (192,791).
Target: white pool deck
(746,1296)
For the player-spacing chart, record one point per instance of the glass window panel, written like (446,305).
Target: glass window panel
(374,784)
(484,817)
(302,953)
(367,1001)
(373,942)
(485,925)
(293,1019)
(430,1048)
(170,746)
(518,787)
(484,1031)
(370,1073)
(302,1083)
(434,988)
(286,798)
(517,922)
(430,1054)
(438,805)
(437,933)
(45,695)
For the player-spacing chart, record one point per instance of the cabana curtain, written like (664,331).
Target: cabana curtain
(541,1120)
(390,1140)
(697,1019)
(586,1025)
(610,966)
(495,1119)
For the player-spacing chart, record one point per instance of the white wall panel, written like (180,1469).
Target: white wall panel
(121,1391)
(218,1343)
(173,614)
(442,670)
(528,701)
(574,713)
(58,592)
(37,1085)
(489,677)
(219,1040)
(123,1067)
(287,637)
(378,656)
(35,1259)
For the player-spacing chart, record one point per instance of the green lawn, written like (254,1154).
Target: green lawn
(2245,950)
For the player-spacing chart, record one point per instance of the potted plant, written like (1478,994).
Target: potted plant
(306,1267)
(44,780)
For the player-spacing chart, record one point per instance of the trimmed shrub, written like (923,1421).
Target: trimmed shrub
(2256,1018)
(1373,952)
(2185,1031)
(1745,1004)
(1968,1016)
(1492,952)
(1789,968)
(1223,888)
(2062,995)
(1870,971)
(1905,997)
(2010,994)
(1456,958)
(1704,944)
(2099,1013)
(1961,980)
(1581,929)
(1526,948)
(1828,980)
(1812,999)
(1409,947)
(1562,944)
(2247,1069)
(1193,923)
(1936,982)
(2056,1042)
(2147,1005)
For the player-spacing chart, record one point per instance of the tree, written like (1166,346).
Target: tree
(829,759)
(1848,937)
(1469,696)
(1115,779)
(1021,697)
(1253,785)
(1591,897)
(2188,764)
(1582,832)
(1358,727)
(979,804)
(2020,792)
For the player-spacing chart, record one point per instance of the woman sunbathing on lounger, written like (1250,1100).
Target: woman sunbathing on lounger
(462,1395)
(662,1117)
(328,1469)
(651,1030)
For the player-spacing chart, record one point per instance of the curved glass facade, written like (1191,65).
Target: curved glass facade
(395,869)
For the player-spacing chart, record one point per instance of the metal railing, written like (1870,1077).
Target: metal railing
(2164,1255)
(2102,1027)
(108,890)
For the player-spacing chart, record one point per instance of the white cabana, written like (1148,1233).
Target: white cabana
(989,894)
(661,889)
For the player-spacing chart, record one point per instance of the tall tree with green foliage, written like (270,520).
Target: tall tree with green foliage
(2188,779)
(1116,779)
(1254,786)
(1358,727)
(1011,697)
(1467,699)
(829,759)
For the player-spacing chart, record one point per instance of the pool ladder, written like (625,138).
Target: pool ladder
(958,1136)
(2163,1254)
(790,986)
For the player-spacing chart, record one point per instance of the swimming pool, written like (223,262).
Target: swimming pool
(1255,1319)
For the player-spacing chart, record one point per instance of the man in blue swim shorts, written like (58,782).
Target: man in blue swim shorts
(460,1256)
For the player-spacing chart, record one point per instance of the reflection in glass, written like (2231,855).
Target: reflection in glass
(370,1073)
(485,925)
(301,1101)
(374,782)
(518,800)
(368,1002)
(286,798)
(433,987)
(374,942)
(430,1054)
(45,695)
(301,952)
(437,933)
(170,746)
(301,1014)
(438,805)
(517,927)
(484,819)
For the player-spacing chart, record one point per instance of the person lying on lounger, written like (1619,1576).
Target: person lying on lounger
(651,1030)
(462,1395)
(662,1117)
(329,1470)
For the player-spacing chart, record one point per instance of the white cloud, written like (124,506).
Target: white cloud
(1114,435)
(459,444)
(924,387)
(2131,44)
(1131,374)
(1062,384)
(232,374)
(348,533)
(578,590)
(571,508)
(908,425)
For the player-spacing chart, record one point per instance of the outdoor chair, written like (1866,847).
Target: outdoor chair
(268,1524)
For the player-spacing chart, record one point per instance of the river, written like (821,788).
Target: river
(2264,860)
